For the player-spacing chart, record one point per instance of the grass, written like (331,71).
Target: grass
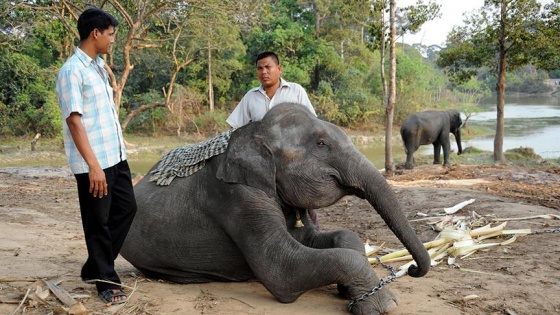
(476,131)
(525,157)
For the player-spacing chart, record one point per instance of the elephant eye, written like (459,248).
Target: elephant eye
(321,143)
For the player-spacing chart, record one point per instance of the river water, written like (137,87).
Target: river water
(532,122)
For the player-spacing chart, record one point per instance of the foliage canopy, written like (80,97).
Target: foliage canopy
(175,62)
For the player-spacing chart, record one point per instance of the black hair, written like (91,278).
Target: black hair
(265,54)
(94,18)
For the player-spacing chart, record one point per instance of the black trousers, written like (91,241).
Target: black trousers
(106,222)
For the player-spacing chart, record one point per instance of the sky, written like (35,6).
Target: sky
(435,32)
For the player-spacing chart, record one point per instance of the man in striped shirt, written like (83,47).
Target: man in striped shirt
(96,153)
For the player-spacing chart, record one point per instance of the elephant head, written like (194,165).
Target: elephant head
(307,163)
(455,124)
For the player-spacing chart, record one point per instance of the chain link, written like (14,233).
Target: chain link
(547,231)
(392,276)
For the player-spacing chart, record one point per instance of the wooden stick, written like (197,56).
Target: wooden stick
(18,280)
(62,295)
(22,301)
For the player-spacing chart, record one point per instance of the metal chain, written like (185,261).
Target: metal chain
(392,276)
(547,231)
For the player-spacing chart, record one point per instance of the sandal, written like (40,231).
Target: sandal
(108,296)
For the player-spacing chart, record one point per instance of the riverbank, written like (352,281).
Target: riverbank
(144,152)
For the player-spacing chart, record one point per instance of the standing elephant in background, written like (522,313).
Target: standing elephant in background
(239,217)
(431,127)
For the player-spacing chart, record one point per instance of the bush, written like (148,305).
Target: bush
(522,153)
(28,102)
(210,123)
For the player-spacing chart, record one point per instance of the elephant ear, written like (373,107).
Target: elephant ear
(249,161)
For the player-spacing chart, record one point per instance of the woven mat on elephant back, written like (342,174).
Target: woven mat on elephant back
(186,160)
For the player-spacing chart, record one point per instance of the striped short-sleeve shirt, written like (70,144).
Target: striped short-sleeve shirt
(82,86)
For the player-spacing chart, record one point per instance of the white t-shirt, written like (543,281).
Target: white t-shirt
(256,103)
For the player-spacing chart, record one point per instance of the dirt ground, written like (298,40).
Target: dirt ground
(41,238)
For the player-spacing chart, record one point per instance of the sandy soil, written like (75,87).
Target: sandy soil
(41,238)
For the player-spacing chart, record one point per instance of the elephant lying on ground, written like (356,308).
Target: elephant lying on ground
(431,127)
(235,219)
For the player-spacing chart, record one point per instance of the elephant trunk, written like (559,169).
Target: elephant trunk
(371,185)
(457,135)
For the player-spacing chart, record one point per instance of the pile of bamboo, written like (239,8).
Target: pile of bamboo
(458,238)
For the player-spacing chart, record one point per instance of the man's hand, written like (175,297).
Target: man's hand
(97,182)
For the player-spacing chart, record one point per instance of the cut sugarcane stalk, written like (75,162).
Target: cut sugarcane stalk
(458,206)
(467,249)
(397,255)
(509,241)
(370,250)
(401,258)
(464,243)
(453,234)
(432,252)
(521,232)
(487,229)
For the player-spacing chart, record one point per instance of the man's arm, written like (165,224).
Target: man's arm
(97,180)
(239,117)
(304,99)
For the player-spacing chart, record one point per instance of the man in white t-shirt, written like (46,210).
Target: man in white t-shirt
(273,91)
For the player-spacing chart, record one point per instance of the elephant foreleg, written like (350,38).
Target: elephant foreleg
(310,236)
(409,160)
(410,149)
(336,239)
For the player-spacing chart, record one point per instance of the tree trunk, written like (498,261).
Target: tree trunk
(389,165)
(136,112)
(382,65)
(34,141)
(499,157)
(210,85)
(317,71)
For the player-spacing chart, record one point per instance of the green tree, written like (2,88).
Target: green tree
(499,36)
(28,104)
(545,48)
(213,29)
(527,79)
